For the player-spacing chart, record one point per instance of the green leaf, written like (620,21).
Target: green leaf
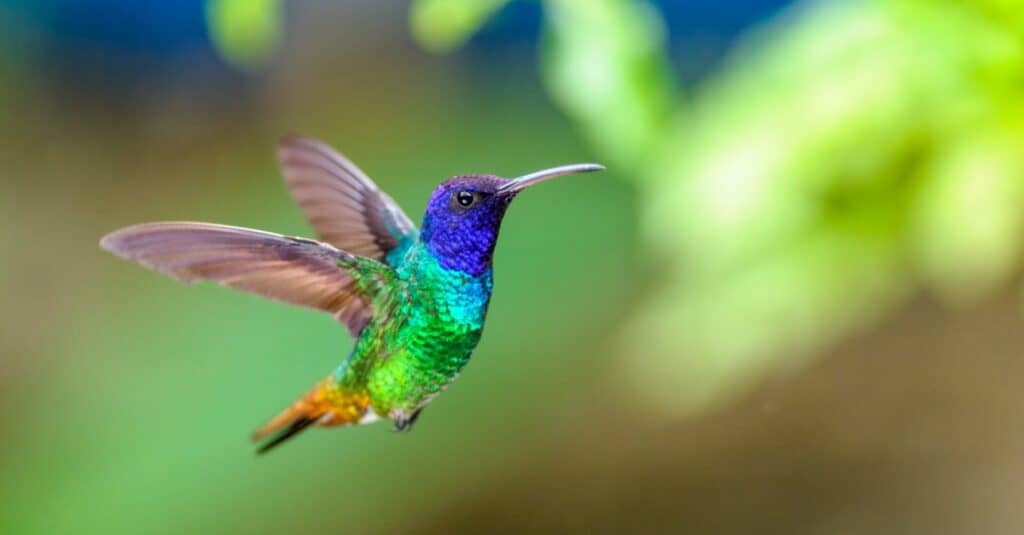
(969,217)
(844,156)
(443,25)
(245,32)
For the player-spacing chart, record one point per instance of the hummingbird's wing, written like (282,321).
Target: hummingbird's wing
(293,270)
(344,206)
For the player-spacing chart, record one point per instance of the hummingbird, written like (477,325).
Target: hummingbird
(415,301)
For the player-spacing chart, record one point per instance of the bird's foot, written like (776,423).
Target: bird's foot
(404,419)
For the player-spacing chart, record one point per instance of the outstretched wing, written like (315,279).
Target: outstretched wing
(293,270)
(344,206)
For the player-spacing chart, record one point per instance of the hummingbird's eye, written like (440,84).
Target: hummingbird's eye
(466,198)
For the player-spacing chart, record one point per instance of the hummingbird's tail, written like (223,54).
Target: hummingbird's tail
(325,405)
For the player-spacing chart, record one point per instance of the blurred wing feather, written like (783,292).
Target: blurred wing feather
(344,206)
(292,270)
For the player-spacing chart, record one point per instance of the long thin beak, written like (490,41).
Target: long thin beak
(525,181)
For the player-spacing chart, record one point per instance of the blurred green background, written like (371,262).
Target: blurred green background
(792,304)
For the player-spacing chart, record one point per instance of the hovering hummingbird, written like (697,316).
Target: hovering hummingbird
(415,301)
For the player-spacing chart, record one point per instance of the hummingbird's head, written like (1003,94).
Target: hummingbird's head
(464,215)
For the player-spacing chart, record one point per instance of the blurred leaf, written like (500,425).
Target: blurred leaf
(843,154)
(605,65)
(443,25)
(246,32)
(970,219)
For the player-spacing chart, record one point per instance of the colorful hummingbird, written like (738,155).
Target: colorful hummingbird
(415,301)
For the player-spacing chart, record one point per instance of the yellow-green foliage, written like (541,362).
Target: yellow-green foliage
(245,32)
(844,157)
(441,25)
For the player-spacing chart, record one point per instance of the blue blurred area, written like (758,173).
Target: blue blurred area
(152,27)
(113,48)
(689,17)
(124,42)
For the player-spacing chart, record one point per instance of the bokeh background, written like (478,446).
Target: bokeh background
(792,304)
